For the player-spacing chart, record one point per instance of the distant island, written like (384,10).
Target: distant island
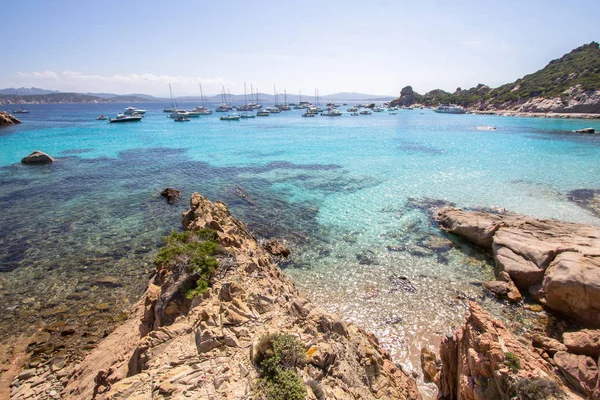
(43,96)
(570,84)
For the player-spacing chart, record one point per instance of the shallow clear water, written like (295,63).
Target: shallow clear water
(350,194)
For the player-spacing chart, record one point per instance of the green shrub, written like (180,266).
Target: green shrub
(192,251)
(285,385)
(512,361)
(279,351)
(278,356)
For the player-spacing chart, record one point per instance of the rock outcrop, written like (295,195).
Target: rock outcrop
(407,97)
(171,194)
(585,130)
(6,119)
(558,263)
(179,347)
(483,360)
(38,158)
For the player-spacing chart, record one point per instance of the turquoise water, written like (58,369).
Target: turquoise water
(351,195)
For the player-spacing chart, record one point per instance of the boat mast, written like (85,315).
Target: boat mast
(275,96)
(300,97)
(202,96)
(245,98)
(171,92)
(284,97)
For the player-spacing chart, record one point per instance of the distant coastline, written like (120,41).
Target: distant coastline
(92,98)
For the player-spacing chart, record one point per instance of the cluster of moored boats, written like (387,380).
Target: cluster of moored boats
(132,114)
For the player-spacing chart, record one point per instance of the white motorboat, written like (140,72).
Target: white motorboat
(332,112)
(133,110)
(126,118)
(449,109)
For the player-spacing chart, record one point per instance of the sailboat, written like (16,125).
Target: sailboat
(224,106)
(20,110)
(316,108)
(172,108)
(299,105)
(274,109)
(246,106)
(202,110)
(285,106)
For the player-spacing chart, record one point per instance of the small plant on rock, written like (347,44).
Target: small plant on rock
(512,361)
(278,356)
(190,252)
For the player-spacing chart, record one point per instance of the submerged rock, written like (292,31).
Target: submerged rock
(276,248)
(588,199)
(171,195)
(37,158)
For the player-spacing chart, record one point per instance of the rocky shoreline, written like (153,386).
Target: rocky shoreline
(511,113)
(199,335)
(181,341)
(6,119)
(556,264)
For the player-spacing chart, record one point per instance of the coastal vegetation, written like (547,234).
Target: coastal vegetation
(279,356)
(512,361)
(195,252)
(579,68)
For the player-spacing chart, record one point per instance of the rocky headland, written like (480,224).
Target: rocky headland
(568,87)
(220,320)
(556,264)
(6,119)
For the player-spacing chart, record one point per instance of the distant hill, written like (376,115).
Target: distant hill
(26,91)
(568,84)
(353,96)
(57,98)
(291,97)
(9,96)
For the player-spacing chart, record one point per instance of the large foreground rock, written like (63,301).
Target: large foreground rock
(483,360)
(37,158)
(201,348)
(557,262)
(6,119)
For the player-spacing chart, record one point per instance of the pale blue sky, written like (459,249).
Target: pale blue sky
(366,46)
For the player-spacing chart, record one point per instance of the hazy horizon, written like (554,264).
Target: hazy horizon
(350,46)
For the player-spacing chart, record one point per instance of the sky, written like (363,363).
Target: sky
(373,47)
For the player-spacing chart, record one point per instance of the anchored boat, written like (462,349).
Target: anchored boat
(126,118)
(449,109)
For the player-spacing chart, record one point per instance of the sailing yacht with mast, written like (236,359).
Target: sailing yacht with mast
(246,106)
(224,106)
(274,109)
(172,108)
(285,106)
(201,110)
(299,105)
